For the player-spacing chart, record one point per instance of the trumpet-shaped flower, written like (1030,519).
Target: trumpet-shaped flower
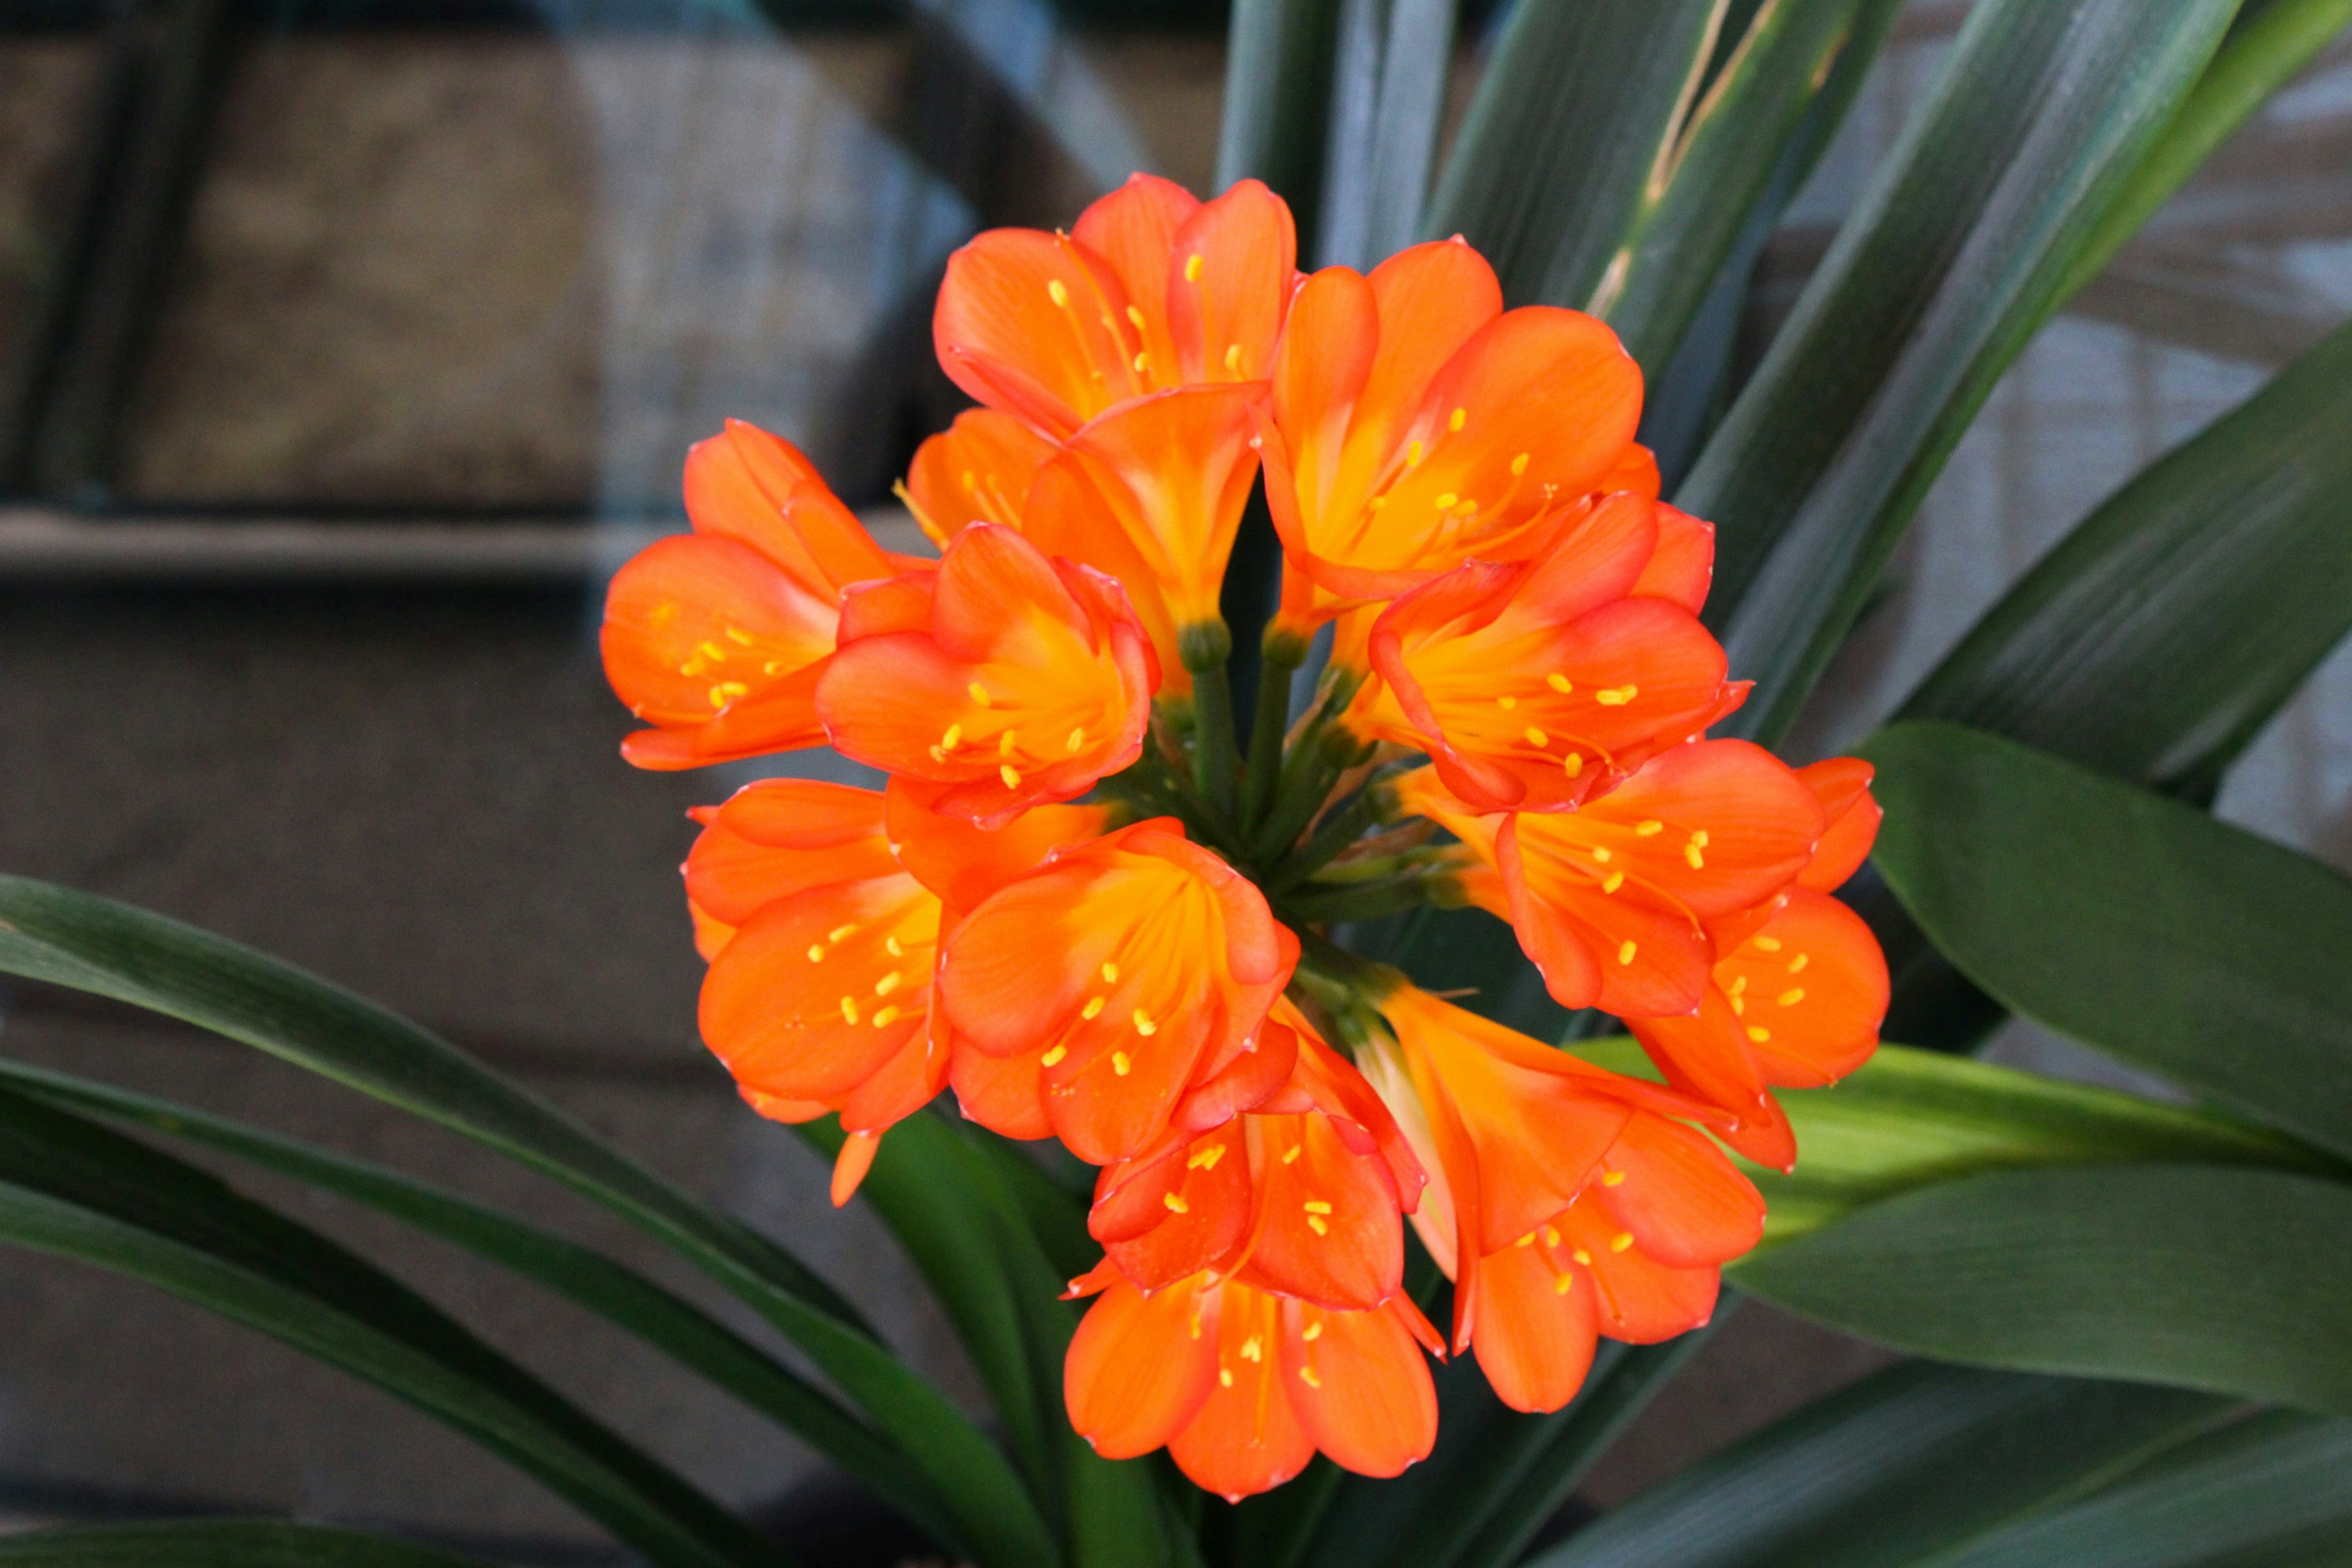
(1535,685)
(1010,677)
(1559,1178)
(1093,992)
(1243,1387)
(976,470)
(1150,290)
(717,638)
(1417,425)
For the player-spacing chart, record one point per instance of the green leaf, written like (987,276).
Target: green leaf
(2163,633)
(1389,79)
(1909,1119)
(219,1543)
(2204,1276)
(1747,145)
(1893,1472)
(2128,920)
(2270,42)
(1579,108)
(71,1187)
(618,1294)
(95,944)
(2268,1492)
(2042,113)
(1277,98)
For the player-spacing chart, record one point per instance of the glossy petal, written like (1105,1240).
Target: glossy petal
(781,837)
(1638,1299)
(1140,1367)
(964,863)
(1358,1386)
(1537,1326)
(979,469)
(1229,274)
(1842,784)
(1813,990)
(1332,1231)
(1245,1437)
(1004,1094)
(1686,1206)
(748,484)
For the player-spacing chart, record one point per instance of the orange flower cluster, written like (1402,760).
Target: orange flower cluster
(1072,907)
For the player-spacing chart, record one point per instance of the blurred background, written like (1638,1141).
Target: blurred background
(347,345)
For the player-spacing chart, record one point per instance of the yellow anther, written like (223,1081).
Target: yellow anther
(890,945)
(1093,1009)
(837,932)
(1560,683)
(1562,1284)
(1413,454)
(1135,318)
(1697,861)
(1175,1205)
(1551,1237)
(1584,1257)
(1254,1348)
(1699,838)
(1759,1035)
(1796,964)
(1077,741)
(884,1016)
(726,691)
(1739,985)
(1527,1240)
(738,636)
(1010,774)
(1056,293)
(1316,1205)
(816,952)
(1377,503)
(1446,499)
(978,694)
(1456,420)
(1196,1334)
(1119,1063)
(1006,742)
(1314,1331)
(1616,696)
(1110,974)
(1739,1006)
(1224,1373)
(849,1009)
(1143,1024)
(1318,1225)
(773,666)
(1625,951)
(1573,764)
(888,983)
(1792,996)
(952,739)
(1537,738)
(1768,944)
(711,651)
(1644,829)
(1518,465)
(1307,1375)
(1296,1150)
(1621,1241)
(1612,1178)
(1206,1160)
(1142,363)
(1233,359)
(1507,702)
(1053,1057)
(971,481)
(1600,853)
(1192,269)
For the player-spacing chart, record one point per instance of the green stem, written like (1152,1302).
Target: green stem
(1280,658)
(1372,803)
(1357,902)
(1203,647)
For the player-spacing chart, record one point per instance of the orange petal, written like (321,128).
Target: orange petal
(1140,1367)
(1133,229)
(750,485)
(781,837)
(849,1166)
(1332,1232)
(1813,983)
(1843,787)
(1209,1183)
(1686,1205)
(977,471)
(1245,1437)
(1369,1404)
(1633,950)
(1034,324)
(1681,568)
(1705,1053)
(1004,1094)
(1230,273)
(1535,1341)
(1640,1300)
(963,863)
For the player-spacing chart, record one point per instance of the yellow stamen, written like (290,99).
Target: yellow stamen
(1697,861)
(1314,1331)
(884,1016)
(1110,974)
(1056,293)
(1143,1024)
(1518,465)
(1600,853)
(1192,269)
(1119,1064)
(837,932)
(1563,1284)
(1612,882)
(1573,764)
(1224,1373)
(1446,499)
(952,739)
(1644,829)
(1077,741)
(1206,1160)
(1233,359)
(1739,985)
(816,952)
(890,945)
(1616,696)
(1758,1035)
(1093,1009)
(1699,838)
(1527,1240)
(1507,702)
(1254,1348)
(1621,1241)
(1768,944)
(1006,742)
(1584,1257)
(978,694)
(1413,454)
(1612,1178)
(1053,1057)
(726,691)
(1551,1237)
(1142,363)
(888,983)
(1537,738)
(1316,1205)
(849,1009)
(1307,1375)
(1296,1150)
(1792,996)
(1011,776)
(1175,1205)
(1318,1225)
(1456,420)
(1560,683)
(1625,952)
(711,651)
(1796,964)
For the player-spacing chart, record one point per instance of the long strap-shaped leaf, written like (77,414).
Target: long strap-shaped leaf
(1387,87)
(2041,113)
(2128,920)
(219,1543)
(1277,90)
(1892,1472)
(2227,1280)
(618,1294)
(95,944)
(71,1187)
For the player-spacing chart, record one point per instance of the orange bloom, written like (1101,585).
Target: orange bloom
(976,470)
(717,638)
(1416,425)
(1013,679)
(821,950)
(1300,1195)
(1150,290)
(1572,1201)
(1535,685)
(1243,1387)
(1797,996)
(1092,995)
(1611,900)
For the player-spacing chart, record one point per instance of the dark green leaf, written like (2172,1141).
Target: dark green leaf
(219,1543)
(2272,1491)
(1277,98)
(95,944)
(2167,628)
(618,1294)
(71,1187)
(1579,108)
(1387,88)
(2128,920)
(2042,113)
(2202,1276)
(1891,1472)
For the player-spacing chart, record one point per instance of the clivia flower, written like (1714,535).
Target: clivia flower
(1078,912)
